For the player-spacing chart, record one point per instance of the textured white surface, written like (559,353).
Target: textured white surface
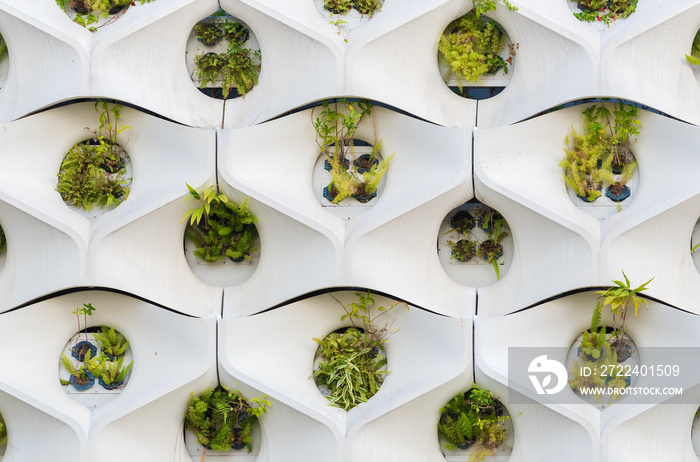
(253,147)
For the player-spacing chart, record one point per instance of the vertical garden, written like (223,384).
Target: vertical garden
(334,230)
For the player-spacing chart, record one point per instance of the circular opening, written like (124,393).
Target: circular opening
(474,425)
(475,56)
(593,361)
(95,365)
(94,15)
(93,176)
(475,245)
(360,356)
(223,56)
(602,13)
(599,167)
(222,420)
(223,247)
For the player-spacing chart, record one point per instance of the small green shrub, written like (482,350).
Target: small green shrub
(222,418)
(3,432)
(238,67)
(473,418)
(111,342)
(92,173)
(605,11)
(470,48)
(227,229)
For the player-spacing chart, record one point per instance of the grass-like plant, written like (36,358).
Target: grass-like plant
(220,227)
(3,47)
(473,418)
(222,418)
(464,249)
(350,362)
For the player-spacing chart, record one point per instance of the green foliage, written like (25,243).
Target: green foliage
(350,361)
(208,32)
(594,339)
(222,418)
(694,56)
(335,131)
(228,229)
(92,173)
(606,143)
(484,6)
(239,67)
(80,372)
(473,417)
(464,249)
(493,223)
(471,48)
(111,341)
(367,7)
(3,47)
(3,432)
(620,297)
(110,371)
(3,240)
(89,11)
(338,6)
(605,11)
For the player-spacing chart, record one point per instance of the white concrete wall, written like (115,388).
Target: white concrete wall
(251,328)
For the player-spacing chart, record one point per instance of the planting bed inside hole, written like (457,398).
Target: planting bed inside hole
(352,18)
(81,12)
(101,388)
(351,349)
(468,441)
(475,271)
(87,178)
(4,61)
(694,241)
(468,65)
(350,206)
(205,58)
(578,358)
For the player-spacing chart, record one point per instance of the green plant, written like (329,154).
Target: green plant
(222,418)
(111,342)
(85,310)
(367,7)
(82,373)
(208,32)
(3,432)
(335,131)
(338,6)
(89,11)
(605,11)
(92,173)
(3,240)
(624,133)
(109,370)
(599,376)
(464,249)
(473,417)
(484,6)
(239,67)
(595,338)
(3,47)
(694,56)
(621,297)
(350,361)
(617,184)
(493,223)
(228,229)
(471,48)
